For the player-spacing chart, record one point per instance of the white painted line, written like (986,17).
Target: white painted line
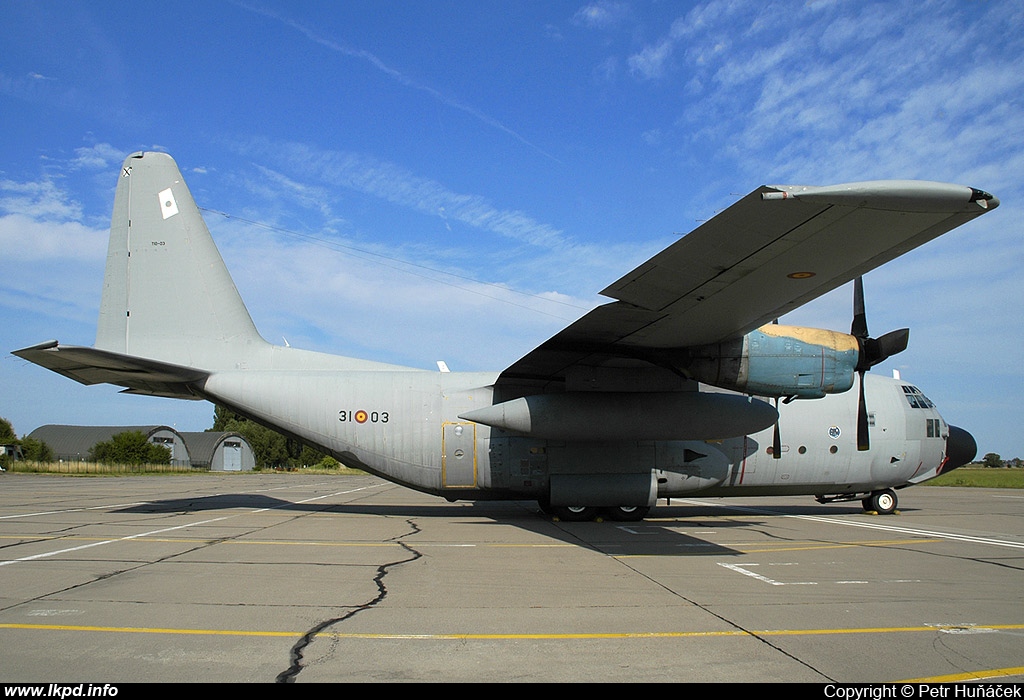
(79,548)
(738,568)
(871,526)
(54,553)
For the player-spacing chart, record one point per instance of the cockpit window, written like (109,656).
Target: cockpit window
(916,398)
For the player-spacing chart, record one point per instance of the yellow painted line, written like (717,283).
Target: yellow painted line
(148,630)
(509,636)
(970,676)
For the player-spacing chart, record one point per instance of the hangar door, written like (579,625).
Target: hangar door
(232,456)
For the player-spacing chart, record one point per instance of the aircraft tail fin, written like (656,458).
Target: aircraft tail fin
(167,294)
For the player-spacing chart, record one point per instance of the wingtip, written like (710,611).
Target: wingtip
(984,199)
(892,195)
(45,345)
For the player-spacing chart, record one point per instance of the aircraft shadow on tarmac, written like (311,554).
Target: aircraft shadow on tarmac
(664,533)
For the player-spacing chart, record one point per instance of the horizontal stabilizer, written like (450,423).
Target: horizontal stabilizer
(92,366)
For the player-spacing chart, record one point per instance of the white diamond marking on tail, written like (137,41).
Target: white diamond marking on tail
(168,207)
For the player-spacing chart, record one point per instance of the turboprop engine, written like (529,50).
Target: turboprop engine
(776,360)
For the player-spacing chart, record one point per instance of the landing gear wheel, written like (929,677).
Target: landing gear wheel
(627,514)
(882,502)
(575,514)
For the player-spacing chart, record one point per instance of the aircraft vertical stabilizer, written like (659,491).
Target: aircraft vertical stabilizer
(167,294)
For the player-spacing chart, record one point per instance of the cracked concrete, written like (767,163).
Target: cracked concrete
(257,578)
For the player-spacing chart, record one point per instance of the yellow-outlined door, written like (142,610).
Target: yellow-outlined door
(458,455)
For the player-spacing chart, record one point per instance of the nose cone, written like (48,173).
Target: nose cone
(960,448)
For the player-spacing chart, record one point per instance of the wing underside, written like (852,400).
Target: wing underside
(771,252)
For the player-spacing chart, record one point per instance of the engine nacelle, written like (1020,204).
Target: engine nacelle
(779,360)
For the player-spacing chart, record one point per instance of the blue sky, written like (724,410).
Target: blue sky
(418,181)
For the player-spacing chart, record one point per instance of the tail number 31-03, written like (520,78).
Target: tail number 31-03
(362,416)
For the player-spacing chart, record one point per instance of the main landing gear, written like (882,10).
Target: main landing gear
(578,514)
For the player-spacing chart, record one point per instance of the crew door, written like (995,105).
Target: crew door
(458,455)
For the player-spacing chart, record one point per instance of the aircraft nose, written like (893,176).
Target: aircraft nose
(960,448)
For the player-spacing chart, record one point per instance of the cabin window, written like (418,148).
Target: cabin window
(915,398)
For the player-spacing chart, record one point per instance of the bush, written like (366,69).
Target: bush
(130,447)
(36,450)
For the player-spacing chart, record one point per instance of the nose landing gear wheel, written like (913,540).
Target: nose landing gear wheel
(881,502)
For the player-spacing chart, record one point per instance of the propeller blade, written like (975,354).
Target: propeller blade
(871,352)
(893,343)
(777,435)
(875,350)
(859,327)
(863,439)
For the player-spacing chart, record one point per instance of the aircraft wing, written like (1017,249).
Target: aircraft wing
(92,366)
(772,251)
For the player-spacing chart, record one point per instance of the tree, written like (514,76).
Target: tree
(7,436)
(992,460)
(36,450)
(269,448)
(31,449)
(130,447)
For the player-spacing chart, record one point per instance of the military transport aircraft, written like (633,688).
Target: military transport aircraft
(650,396)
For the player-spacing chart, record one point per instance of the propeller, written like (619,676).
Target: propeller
(871,351)
(777,434)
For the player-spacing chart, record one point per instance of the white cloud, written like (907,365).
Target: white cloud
(24,238)
(100,156)
(397,75)
(395,184)
(42,200)
(601,15)
(650,63)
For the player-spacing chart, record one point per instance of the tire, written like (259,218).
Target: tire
(575,514)
(883,502)
(627,514)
